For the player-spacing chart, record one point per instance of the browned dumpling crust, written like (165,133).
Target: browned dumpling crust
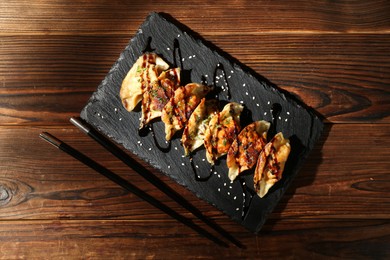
(222,130)
(194,132)
(244,151)
(157,94)
(144,72)
(179,108)
(270,164)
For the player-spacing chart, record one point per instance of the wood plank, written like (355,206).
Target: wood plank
(118,17)
(143,240)
(346,176)
(45,80)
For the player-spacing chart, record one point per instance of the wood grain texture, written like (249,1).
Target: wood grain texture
(255,17)
(45,81)
(360,239)
(34,187)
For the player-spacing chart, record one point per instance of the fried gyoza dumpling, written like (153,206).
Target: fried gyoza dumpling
(157,94)
(180,107)
(145,70)
(222,130)
(244,151)
(270,164)
(193,134)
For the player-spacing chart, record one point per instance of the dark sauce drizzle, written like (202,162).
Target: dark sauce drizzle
(142,132)
(197,177)
(162,149)
(245,192)
(221,68)
(203,80)
(177,54)
(276,110)
(148,47)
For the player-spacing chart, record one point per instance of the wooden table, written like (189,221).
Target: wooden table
(332,55)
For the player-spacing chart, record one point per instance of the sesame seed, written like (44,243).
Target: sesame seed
(229,77)
(224,184)
(168,49)
(182,164)
(203,159)
(116,109)
(237,209)
(269,102)
(178,35)
(241,102)
(230,187)
(235,197)
(228,193)
(231,71)
(246,93)
(193,56)
(288,113)
(265,113)
(219,189)
(120,119)
(197,167)
(206,76)
(219,176)
(257,104)
(280,118)
(150,149)
(175,147)
(169,167)
(253,97)
(244,85)
(182,156)
(190,57)
(285,120)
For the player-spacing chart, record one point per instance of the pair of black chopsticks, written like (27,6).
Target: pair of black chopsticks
(137,167)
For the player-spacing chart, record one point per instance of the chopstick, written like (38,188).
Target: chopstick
(128,186)
(147,175)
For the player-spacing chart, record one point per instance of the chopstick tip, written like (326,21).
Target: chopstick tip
(80,125)
(50,139)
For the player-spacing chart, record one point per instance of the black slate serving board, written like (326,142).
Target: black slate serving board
(200,61)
